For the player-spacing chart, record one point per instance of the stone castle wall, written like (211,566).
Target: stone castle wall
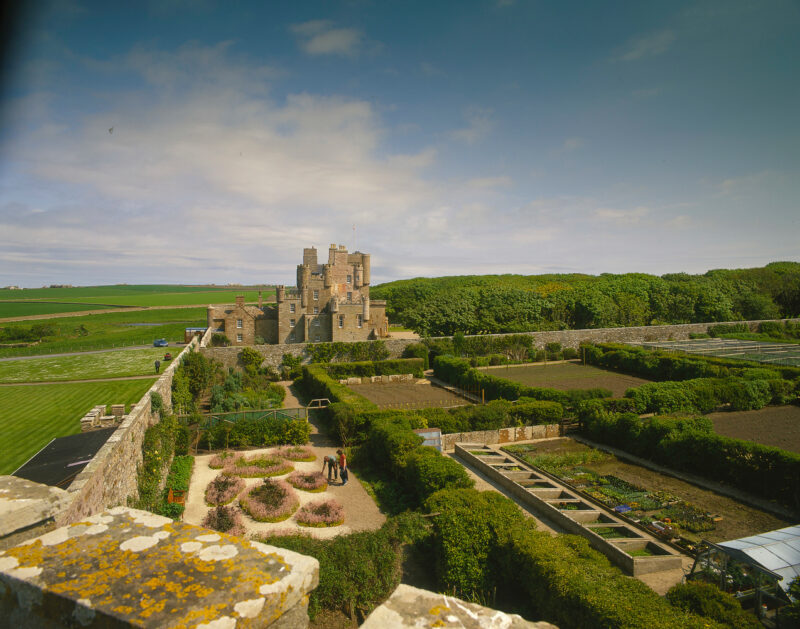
(229,356)
(110,478)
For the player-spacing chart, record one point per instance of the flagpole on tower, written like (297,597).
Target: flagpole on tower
(355,245)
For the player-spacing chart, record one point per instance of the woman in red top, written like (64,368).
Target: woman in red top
(342,466)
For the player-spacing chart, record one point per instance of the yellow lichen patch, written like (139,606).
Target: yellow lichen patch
(438,623)
(29,554)
(197,616)
(437,609)
(122,609)
(151,606)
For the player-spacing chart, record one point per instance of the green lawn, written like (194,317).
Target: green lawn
(134,362)
(106,331)
(30,416)
(10,309)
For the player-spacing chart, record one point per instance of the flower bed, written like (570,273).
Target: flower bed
(320,514)
(260,466)
(308,481)
(225,520)
(296,453)
(219,460)
(272,501)
(223,489)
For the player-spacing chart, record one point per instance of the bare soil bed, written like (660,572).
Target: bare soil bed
(777,426)
(738,520)
(408,394)
(566,376)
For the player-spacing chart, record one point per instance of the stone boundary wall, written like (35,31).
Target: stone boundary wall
(229,356)
(503,435)
(110,477)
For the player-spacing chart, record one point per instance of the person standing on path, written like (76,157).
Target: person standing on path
(330,461)
(158,365)
(342,466)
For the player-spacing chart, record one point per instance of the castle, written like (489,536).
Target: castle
(331,303)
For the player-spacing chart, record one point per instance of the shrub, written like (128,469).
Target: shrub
(391,440)
(219,340)
(307,481)
(321,514)
(158,447)
(219,460)
(251,357)
(180,473)
(417,350)
(272,501)
(224,489)
(427,471)
(707,600)
(225,520)
(727,328)
(259,466)
(296,453)
(156,403)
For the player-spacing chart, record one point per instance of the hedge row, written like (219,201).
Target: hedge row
(361,350)
(703,395)
(256,432)
(458,372)
(661,366)
(366,369)
(180,473)
(691,445)
(317,383)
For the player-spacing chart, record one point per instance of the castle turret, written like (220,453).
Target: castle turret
(358,275)
(334,303)
(280,293)
(326,275)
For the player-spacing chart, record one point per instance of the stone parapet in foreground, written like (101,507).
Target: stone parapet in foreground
(131,568)
(411,607)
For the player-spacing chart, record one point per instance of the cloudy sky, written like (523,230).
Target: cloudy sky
(202,141)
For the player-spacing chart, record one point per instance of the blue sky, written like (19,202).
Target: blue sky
(458,137)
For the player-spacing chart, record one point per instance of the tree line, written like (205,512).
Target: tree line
(486,304)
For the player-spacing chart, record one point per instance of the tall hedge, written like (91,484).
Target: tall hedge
(690,445)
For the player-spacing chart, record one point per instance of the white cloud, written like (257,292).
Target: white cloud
(322,37)
(479,125)
(646,46)
(622,216)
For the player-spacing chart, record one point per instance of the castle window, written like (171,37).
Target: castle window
(292,323)
(349,296)
(239,323)
(291,307)
(238,338)
(359,320)
(316,323)
(341,321)
(316,294)
(349,278)
(316,338)
(316,309)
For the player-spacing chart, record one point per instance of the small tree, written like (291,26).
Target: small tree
(219,340)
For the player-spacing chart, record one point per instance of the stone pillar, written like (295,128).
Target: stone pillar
(366,309)
(326,275)
(358,275)
(210,315)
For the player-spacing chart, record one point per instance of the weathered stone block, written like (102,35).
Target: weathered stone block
(411,607)
(126,567)
(27,509)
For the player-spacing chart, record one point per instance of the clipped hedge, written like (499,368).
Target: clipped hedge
(427,471)
(690,445)
(366,369)
(459,372)
(256,432)
(707,600)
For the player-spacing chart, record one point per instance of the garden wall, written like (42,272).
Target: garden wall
(110,478)
(229,356)
(503,435)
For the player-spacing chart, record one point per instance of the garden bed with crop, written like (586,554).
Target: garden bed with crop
(777,426)
(407,395)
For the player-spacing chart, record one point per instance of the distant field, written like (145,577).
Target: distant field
(566,376)
(106,331)
(777,426)
(143,295)
(133,362)
(30,416)
(10,309)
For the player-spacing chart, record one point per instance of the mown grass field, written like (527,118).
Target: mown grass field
(107,331)
(30,416)
(132,362)
(91,297)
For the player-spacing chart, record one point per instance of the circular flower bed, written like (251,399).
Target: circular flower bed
(320,514)
(307,481)
(223,489)
(296,453)
(272,501)
(225,520)
(259,466)
(219,460)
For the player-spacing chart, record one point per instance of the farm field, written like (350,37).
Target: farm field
(738,520)
(566,376)
(407,395)
(777,426)
(30,416)
(9,309)
(106,331)
(119,363)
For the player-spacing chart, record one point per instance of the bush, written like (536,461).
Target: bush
(390,441)
(321,514)
(427,471)
(338,371)
(707,600)
(224,489)
(272,501)
(219,340)
(156,403)
(417,350)
(363,350)
(251,357)
(225,520)
(180,473)
(729,328)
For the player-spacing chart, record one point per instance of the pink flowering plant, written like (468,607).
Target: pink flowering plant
(320,514)
(223,489)
(308,481)
(225,520)
(272,501)
(259,466)
(296,453)
(219,460)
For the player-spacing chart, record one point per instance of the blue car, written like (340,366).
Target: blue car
(160,343)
